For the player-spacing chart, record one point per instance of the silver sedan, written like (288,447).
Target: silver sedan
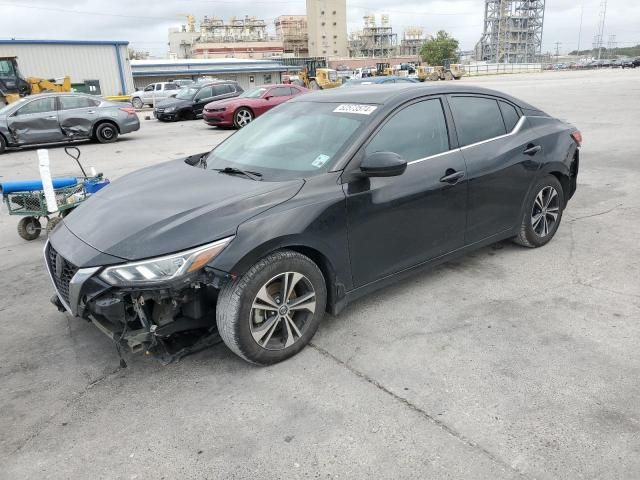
(62,118)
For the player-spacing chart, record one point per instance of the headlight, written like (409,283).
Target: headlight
(170,109)
(221,109)
(162,269)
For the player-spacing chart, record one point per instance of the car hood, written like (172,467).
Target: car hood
(226,102)
(171,207)
(173,102)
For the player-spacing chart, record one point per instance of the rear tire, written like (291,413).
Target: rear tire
(106,133)
(543,213)
(29,228)
(137,103)
(262,323)
(3,144)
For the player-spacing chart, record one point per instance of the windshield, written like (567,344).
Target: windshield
(187,93)
(254,92)
(294,140)
(6,69)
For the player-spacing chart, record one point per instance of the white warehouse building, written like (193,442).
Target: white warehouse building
(97,67)
(247,72)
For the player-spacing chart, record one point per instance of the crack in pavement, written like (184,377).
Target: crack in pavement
(617,207)
(41,426)
(439,423)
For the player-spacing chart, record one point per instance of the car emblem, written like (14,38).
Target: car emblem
(59,266)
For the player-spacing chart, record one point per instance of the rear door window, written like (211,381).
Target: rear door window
(69,103)
(171,86)
(415,132)
(509,114)
(476,119)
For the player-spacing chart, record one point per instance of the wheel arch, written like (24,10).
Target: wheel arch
(247,107)
(335,287)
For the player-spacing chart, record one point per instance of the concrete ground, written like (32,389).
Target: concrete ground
(508,363)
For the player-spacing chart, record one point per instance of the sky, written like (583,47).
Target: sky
(145,23)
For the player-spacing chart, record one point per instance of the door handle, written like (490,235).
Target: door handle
(51,117)
(451,176)
(532,149)
(91,112)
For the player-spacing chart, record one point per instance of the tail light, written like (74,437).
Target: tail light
(577,137)
(129,110)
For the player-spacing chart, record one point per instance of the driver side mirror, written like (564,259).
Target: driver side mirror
(383,164)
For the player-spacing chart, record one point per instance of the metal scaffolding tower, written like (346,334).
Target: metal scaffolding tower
(512,31)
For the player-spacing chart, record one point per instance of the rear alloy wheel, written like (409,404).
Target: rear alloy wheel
(137,103)
(273,310)
(29,228)
(106,133)
(543,213)
(242,117)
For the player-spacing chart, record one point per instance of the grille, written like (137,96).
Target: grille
(62,272)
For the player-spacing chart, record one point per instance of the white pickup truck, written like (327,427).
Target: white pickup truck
(152,93)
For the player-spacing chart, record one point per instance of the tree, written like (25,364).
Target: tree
(438,49)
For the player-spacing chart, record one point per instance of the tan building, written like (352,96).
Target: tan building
(292,31)
(258,50)
(327,25)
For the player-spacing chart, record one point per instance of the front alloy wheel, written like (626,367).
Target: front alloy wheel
(242,117)
(272,311)
(281,310)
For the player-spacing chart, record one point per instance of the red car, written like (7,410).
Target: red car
(239,111)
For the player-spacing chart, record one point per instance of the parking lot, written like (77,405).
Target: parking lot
(507,363)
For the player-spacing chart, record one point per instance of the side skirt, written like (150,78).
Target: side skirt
(363,290)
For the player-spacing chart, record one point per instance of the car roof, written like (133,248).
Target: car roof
(400,92)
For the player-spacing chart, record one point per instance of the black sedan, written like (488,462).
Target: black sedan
(189,102)
(260,237)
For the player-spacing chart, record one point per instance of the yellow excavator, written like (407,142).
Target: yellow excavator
(384,70)
(13,85)
(316,76)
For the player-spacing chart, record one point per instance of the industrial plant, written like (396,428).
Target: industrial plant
(512,31)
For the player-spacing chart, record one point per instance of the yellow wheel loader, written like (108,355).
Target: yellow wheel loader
(13,85)
(316,76)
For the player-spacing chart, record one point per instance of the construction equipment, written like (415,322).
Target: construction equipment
(448,71)
(316,76)
(13,85)
(384,69)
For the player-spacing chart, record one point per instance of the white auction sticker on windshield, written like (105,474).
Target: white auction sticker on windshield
(320,160)
(355,108)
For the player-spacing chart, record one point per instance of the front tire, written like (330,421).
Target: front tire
(3,143)
(272,311)
(106,133)
(543,213)
(242,117)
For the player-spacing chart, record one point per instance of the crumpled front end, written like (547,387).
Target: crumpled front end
(167,320)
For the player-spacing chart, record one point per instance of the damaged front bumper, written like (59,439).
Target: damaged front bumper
(167,320)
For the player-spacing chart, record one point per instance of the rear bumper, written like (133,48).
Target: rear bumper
(131,124)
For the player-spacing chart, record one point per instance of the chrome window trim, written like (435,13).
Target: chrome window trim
(433,156)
